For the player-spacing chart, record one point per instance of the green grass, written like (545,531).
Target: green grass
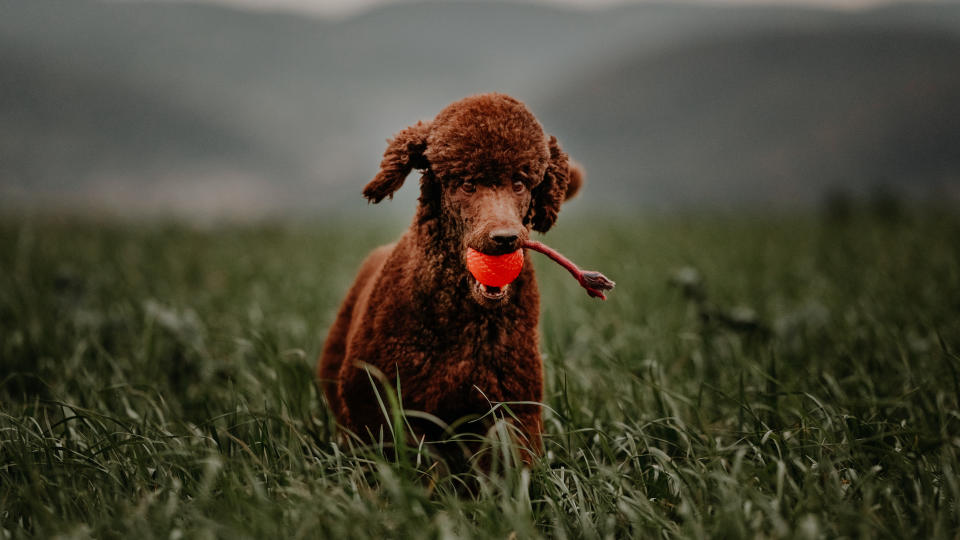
(772,377)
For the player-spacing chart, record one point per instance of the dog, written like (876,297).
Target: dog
(453,346)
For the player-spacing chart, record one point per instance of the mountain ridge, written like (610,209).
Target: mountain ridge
(301,106)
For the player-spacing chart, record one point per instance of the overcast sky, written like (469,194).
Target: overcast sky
(339,8)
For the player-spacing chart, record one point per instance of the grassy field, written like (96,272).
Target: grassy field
(773,377)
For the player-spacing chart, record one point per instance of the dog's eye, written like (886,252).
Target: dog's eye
(469,187)
(518,186)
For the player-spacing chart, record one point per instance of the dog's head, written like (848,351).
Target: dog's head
(489,173)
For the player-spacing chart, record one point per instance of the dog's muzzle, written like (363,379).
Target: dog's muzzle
(491,293)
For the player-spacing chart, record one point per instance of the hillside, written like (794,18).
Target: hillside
(155,97)
(62,132)
(771,118)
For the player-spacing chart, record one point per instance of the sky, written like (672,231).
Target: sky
(342,8)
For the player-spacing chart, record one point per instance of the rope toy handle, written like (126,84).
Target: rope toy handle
(594,282)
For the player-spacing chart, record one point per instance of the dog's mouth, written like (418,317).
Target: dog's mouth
(490,293)
(492,274)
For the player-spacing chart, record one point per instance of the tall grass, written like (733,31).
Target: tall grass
(775,377)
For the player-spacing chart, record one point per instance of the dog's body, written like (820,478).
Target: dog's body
(415,313)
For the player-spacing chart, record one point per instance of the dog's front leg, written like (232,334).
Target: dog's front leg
(528,425)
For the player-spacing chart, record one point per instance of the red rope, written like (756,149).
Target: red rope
(594,282)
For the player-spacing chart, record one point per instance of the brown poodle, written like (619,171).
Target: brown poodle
(453,346)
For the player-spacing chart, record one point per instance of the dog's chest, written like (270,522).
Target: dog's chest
(472,364)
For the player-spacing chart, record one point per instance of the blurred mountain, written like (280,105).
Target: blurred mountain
(63,134)
(780,118)
(200,108)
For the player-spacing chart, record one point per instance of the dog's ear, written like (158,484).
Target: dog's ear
(561,182)
(404,153)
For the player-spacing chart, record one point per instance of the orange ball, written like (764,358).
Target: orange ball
(494,270)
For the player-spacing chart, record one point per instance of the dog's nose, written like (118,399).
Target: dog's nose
(504,237)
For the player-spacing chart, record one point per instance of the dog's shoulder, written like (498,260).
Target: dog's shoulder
(374,262)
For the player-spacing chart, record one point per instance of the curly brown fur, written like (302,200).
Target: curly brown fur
(489,176)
